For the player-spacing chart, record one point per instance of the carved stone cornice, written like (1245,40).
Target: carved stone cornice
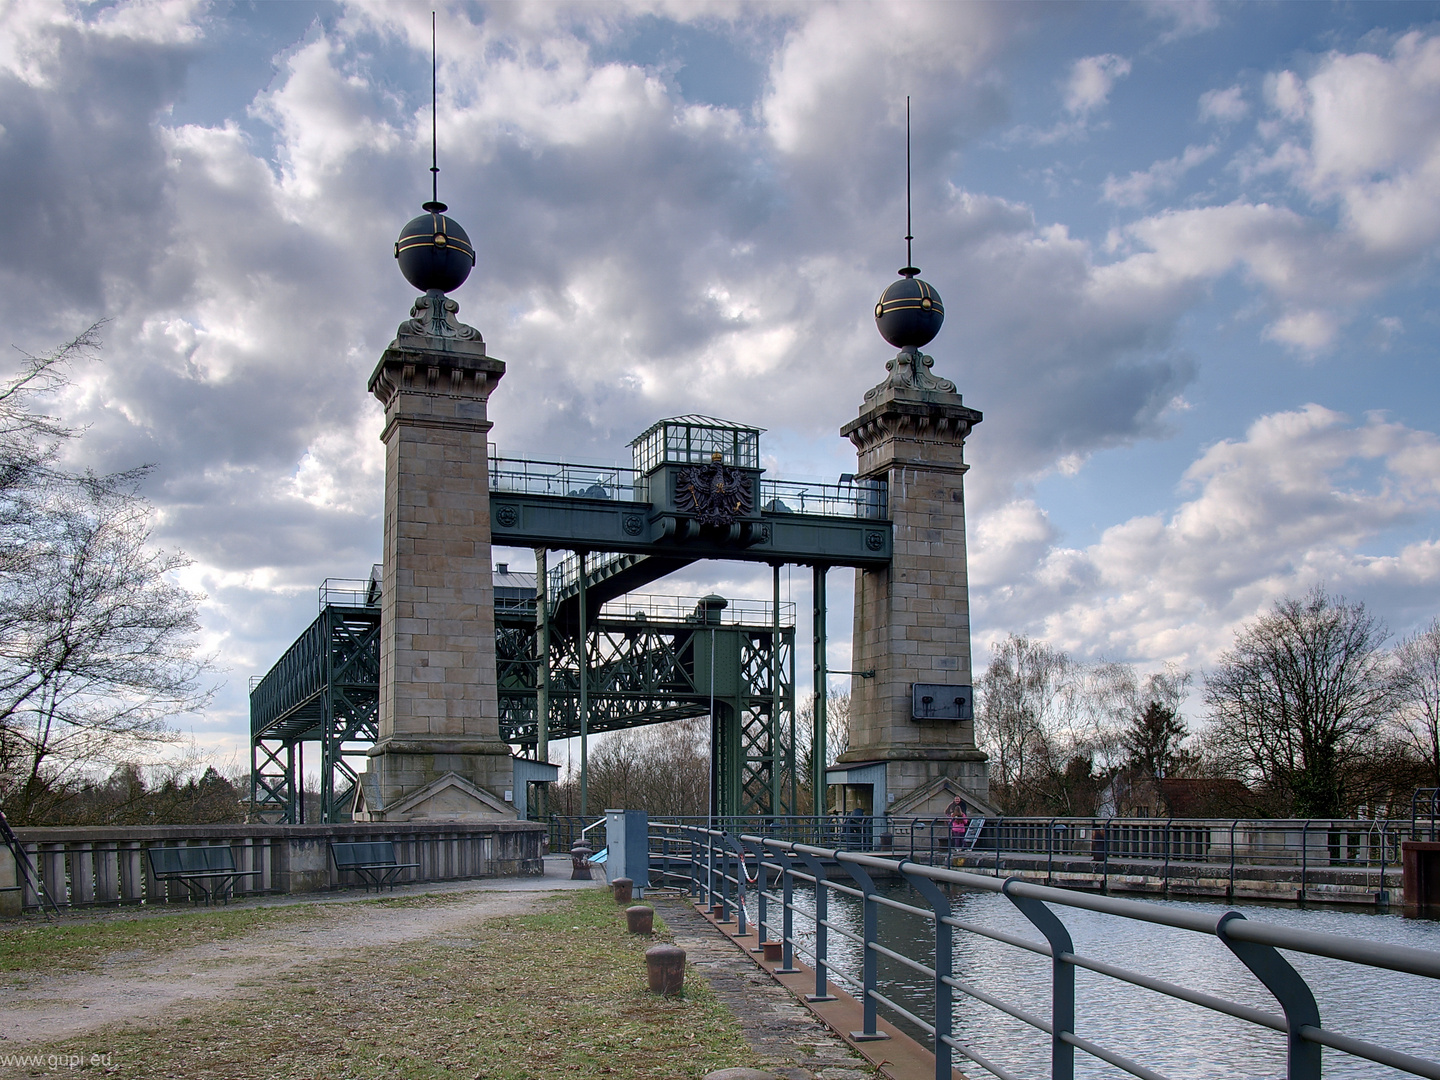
(435,355)
(433,325)
(910,370)
(912,423)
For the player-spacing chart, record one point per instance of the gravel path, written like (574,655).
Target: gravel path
(144,984)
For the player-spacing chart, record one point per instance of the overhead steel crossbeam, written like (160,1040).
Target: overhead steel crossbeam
(580,508)
(326,689)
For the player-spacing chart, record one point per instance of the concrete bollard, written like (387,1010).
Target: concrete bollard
(665,966)
(624,890)
(640,919)
(580,860)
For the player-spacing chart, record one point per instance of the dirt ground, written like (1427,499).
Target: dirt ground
(142,986)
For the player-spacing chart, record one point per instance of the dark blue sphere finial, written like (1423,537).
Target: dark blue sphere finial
(909,313)
(435,253)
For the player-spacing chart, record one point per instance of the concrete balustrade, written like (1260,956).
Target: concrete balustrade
(83,867)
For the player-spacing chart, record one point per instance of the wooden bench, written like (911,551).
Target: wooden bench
(373,860)
(206,872)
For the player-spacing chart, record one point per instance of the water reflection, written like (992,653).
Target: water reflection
(1178,1039)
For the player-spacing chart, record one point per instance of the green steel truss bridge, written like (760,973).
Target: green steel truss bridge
(614,659)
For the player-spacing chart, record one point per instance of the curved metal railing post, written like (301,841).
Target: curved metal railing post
(822,934)
(787,917)
(762,926)
(944,969)
(737,857)
(1062,980)
(870,960)
(1302,1057)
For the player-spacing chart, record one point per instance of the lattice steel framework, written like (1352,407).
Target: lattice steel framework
(325,689)
(651,672)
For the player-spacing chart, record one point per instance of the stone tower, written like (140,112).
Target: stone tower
(439,754)
(912,728)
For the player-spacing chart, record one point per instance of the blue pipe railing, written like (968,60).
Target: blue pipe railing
(722,874)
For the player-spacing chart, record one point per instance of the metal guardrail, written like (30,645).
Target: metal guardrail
(1352,860)
(720,872)
(850,497)
(525,476)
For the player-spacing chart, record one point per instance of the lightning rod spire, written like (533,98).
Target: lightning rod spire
(435,203)
(909,236)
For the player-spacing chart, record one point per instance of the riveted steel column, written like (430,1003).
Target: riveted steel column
(542,671)
(582,648)
(777,754)
(1062,980)
(944,969)
(822,931)
(1302,1057)
(820,683)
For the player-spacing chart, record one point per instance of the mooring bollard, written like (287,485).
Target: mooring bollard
(624,890)
(665,966)
(580,861)
(640,919)
(774,950)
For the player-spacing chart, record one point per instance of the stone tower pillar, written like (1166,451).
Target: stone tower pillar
(912,620)
(439,754)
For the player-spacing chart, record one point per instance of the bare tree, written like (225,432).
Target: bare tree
(663,769)
(1300,696)
(1028,694)
(1142,718)
(97,645)
(1418,660)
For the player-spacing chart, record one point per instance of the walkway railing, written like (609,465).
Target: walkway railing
(851,497)
(1343,860)
(724,868)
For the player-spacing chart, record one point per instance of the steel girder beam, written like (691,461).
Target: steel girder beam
(571,523)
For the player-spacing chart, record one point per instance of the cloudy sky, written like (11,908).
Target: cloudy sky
(1187,253)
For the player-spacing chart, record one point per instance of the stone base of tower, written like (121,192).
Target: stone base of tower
(914,786)
(440,781)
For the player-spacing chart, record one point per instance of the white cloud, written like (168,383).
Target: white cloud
(639,256)
(1305,497)
(1225,106)
(1140,187)
(1091,80)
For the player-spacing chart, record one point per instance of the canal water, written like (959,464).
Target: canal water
(1175,1038)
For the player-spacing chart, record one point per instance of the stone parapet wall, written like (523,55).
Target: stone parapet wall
(107,866)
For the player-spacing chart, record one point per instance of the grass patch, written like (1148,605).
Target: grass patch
(84,944)
(560,992)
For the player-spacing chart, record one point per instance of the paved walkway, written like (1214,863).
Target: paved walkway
(789,1040)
